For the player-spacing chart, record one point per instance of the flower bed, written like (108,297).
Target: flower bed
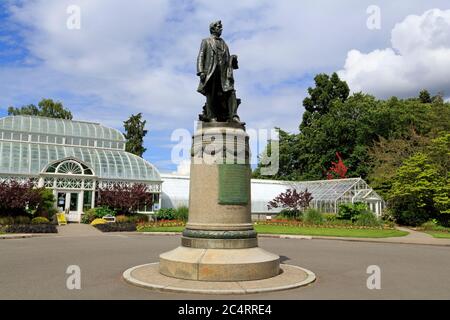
(328,224)
(116,227)
(31,228)
(161,224)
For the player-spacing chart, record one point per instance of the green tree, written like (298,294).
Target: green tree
(424,96)
(47,108)
(327,90)
(134,134)
(413,190)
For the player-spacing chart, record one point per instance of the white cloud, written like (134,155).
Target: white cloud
(184,168)
(419,58)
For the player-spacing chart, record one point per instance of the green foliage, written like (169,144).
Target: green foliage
(165,214)
(6,221)
(46,205)
(47,108)
(39,220)
(421,187)
(182,213)
(330,217)
(22,220)
(134,134)
(424,96)
(368,219)
(100,212)
(290,214)
(313,216)
(327,90)
(349,211)
(96,213)
(136,218)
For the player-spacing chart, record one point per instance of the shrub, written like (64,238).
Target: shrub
(367,219)
(433,225)
(31,228)
(122,218)
(182,213)
(98,221)
(5,221)
(116,227)
(88,216)
(313,216)
(40,220)
(100,212)
(45,207)
(290,214)
(349,211)
(165,214)
(291,199)
(138,218)
(329,217)
(22,220)
(125,199)
(411,217)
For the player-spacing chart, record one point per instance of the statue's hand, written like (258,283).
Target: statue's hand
(202,76)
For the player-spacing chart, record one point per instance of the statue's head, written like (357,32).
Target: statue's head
(216,28)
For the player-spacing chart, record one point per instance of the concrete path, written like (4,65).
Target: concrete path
(78,230)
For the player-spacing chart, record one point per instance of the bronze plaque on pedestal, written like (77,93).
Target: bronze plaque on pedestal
(234,184)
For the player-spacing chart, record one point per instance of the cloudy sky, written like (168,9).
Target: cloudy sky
(139,56)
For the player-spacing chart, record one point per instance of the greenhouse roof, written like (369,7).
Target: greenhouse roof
(31,159)
(28,145)
(321,190)
(60,127)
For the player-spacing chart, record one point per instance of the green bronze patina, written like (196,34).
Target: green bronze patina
(234,187)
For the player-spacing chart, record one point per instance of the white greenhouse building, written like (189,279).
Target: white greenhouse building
(73,158)
(327,194)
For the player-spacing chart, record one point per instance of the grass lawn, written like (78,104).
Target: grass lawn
(332,232)
(309,231)
(437,234)
(162,229)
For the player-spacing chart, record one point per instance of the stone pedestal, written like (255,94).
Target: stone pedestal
(219,242)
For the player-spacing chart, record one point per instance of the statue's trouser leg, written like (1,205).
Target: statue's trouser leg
(232,104)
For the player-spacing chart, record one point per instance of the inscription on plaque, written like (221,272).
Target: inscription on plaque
(234,184)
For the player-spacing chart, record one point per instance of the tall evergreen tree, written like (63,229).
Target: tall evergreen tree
(424,96)
(47,108)
(134,134)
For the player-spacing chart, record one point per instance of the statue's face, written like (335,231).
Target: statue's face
(217,29)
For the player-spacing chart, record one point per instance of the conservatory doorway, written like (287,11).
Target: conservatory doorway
(70,202)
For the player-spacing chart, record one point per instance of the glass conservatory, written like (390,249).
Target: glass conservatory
(327,194)
(73,158)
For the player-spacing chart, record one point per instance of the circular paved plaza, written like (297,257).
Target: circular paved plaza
(35,268)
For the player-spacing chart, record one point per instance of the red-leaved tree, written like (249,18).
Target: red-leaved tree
(337,169)
(16,197)
(291,199)
(123,198)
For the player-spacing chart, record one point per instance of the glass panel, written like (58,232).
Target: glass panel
(61,201)
(51,139)
(73,202)
(87,199)
(7,135)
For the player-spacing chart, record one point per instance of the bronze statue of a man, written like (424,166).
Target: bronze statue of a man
(215,68)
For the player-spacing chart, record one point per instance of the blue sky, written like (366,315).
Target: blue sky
(139,56)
